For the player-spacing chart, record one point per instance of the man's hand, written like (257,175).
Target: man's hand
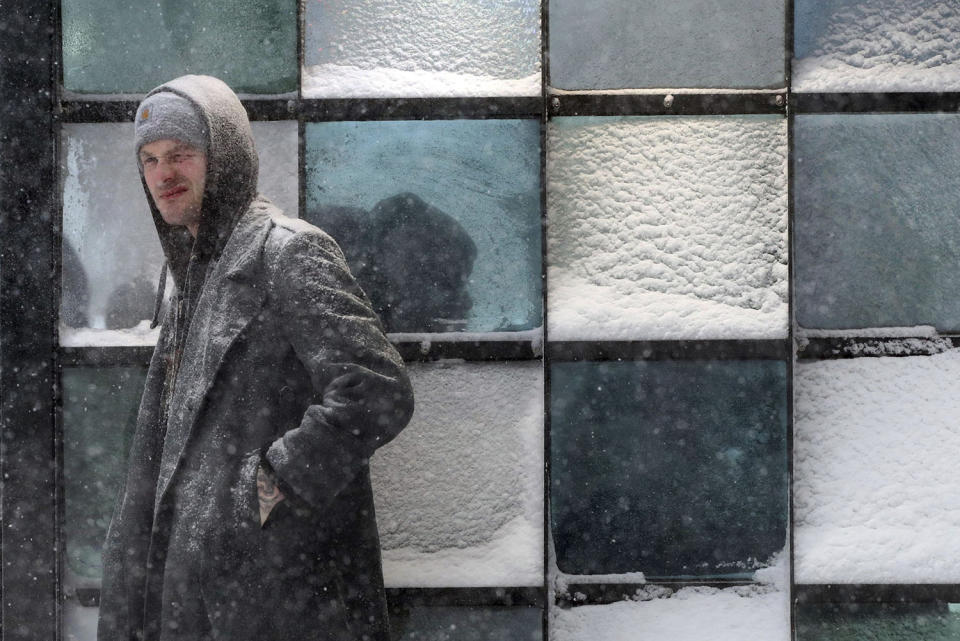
(268,493)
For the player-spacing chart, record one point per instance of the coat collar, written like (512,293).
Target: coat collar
(233,294)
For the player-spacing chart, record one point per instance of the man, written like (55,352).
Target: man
(247,511)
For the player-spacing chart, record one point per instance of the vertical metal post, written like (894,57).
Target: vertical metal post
(28,313)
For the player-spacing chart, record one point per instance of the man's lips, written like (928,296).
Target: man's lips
(173,193)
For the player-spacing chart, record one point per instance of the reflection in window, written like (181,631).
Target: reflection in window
(440,220)
(111,255)
(623,44)
(876,45)
(857,621)
(876,239)
(668,468)
(875,443)
(421,48)
(666,228)
(111,48)
(99,416)
(459,493)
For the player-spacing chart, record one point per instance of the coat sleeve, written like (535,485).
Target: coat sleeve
(362,395)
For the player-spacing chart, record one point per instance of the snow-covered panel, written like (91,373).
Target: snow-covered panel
(111,255)
(131,47)
(440,220)
(876,45)
(406,48)
(747,613)
(619,44)
(875,238)
(876,482)
(459,494)
(672,469)
(667,228)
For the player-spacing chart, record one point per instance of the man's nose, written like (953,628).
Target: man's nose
(166,170)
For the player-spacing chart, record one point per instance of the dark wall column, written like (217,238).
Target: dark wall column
(28,291)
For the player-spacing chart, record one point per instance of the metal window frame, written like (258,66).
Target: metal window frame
(29,226)
(31,358)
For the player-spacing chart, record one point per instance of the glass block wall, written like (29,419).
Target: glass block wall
(673,283)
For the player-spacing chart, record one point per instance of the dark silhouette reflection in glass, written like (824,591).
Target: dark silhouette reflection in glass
(413,261)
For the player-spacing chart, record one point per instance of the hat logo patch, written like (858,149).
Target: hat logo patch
(144,114)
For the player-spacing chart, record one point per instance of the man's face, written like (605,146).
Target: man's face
(175,173)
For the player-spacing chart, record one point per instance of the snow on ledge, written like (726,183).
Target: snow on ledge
(143,336)
(347,81)
(512,557)
(584,311)
(139,336)
(748,612)
(917,331)
(826,73)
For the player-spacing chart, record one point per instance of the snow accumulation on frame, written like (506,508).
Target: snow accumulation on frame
(667,228)
(412,48)
(875,475)
(348,81)
(881,45)
(459,493)
(759,612)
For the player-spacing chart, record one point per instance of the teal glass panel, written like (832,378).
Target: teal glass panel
(437,623)
(876,241)
(440,220)
(111,47)
(623,44)
(672,469)
(99,414)
(877,622)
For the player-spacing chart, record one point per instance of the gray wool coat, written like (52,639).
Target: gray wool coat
(270,355)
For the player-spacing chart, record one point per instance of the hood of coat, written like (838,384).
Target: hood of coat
(231,180)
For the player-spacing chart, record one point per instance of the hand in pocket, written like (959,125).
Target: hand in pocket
(268,494)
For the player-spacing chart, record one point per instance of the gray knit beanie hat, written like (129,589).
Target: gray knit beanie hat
(169,116)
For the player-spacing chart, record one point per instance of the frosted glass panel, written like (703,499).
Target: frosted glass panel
(459,494)
(99,415)
(419,623)
(755,612)
(876,45)
(467,624)
(111,255)
(422,48)
(111,47)
(440,220)
(668,468)
(875,470)
(876,237)
(858,621)
(622,44)
(667,228)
